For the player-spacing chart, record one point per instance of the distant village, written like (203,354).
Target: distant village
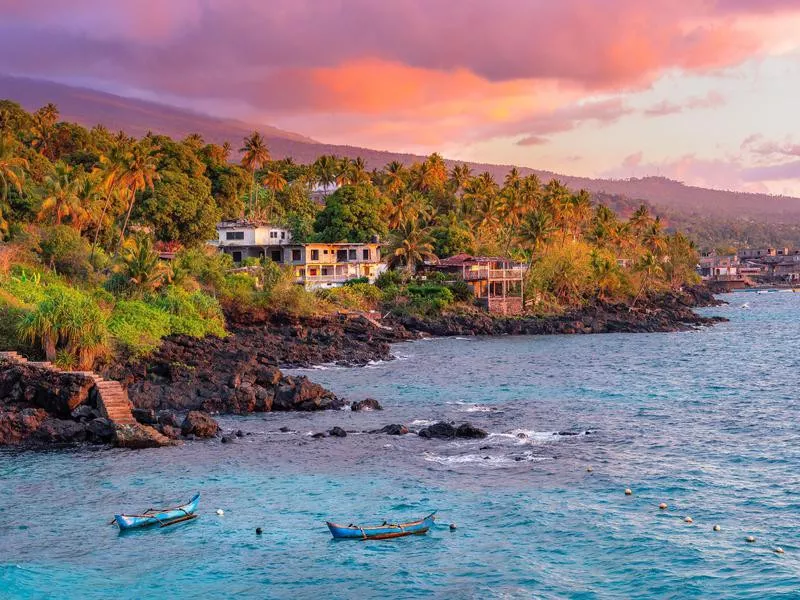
(750,267)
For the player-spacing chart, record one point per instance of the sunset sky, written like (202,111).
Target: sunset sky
(703,91)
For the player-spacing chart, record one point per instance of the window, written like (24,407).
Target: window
(315,255)
(324,251)
(273,234)
(325,271)
(237,257)
(296,255)
(351,254)
(341,256)
(283,235)
(365,253)
(234,235)
(276,256)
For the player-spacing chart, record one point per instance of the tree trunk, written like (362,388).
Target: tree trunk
(99,225)
(49,346)
(125,224)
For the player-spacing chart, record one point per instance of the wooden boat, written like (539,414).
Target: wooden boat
(159,516)
(381,532)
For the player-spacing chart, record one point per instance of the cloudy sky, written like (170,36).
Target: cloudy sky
(704,91)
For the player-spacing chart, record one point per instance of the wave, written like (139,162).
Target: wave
(422,423)
(483,459)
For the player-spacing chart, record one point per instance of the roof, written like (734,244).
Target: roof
(461,260)
(246,223)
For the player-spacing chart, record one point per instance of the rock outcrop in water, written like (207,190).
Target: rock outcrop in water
(448,431)
(668,312)
(40,406)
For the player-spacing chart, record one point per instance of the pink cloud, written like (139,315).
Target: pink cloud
(711,100)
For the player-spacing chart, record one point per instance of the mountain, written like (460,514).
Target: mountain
(137,117)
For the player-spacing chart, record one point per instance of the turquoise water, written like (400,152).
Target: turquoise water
(705,421)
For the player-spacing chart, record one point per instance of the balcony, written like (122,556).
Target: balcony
(512,274)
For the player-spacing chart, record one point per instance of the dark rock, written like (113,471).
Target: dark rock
(337,432)
(19,424)
(319,435)
(139,436)
(145,416)
(100,430)
(83,413)
(366,404)
(199,424)
(239,433)
(228,439)
(31,385)
(284,429)
(394,429)
(566,433)
(440,430)
(173,433)
(467,430)
(169,417)
(60,431)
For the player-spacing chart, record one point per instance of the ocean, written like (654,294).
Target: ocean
(704,421)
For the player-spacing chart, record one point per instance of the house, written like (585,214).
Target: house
(314,264)
(322,190)
(496,282)
(329,265)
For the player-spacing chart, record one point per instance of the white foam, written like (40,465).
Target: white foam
(422,423)
(483,459)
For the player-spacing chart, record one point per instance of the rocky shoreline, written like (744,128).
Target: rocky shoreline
(240,374)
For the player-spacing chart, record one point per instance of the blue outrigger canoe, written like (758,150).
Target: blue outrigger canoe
(381,532)
(159,516)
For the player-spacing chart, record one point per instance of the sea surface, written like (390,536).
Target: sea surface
(704,421)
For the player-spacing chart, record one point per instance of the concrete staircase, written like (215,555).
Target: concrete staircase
(112,398)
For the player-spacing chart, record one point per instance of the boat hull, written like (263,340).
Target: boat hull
(381,532)
(158,517)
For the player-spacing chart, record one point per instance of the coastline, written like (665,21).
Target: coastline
(241,375)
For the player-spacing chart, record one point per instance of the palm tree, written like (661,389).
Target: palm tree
(12,174)
(648,267)
(274,180)
(409,207)
(140,172)
(394,177)
(325,169)
(43,122)
(410,247)
(535,231)
(254,154)
(459,177)
(63,197)
(141,265)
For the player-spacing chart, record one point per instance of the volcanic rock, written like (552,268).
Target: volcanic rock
(199,424)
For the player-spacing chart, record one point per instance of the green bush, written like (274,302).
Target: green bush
(429,298)
(462,291)
(191,313)
(356,281)
(389,278)
(66,251)
(357,296)
(138,327)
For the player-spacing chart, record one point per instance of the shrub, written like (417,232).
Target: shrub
(191,313)
(64,250)
(389,278)
(138,327)
(462,291)
(357,296)
(429,298)
(356,281)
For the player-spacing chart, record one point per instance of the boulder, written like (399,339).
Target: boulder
(199,424)
(366,404)
(319,435)
(440,430)
(394,429)
(139,436)
(169,431)
(170,418)
(100,431)
(83,413)
(337,432)
(18,425)
(56,392)
(145,416)
(228,439)
(60,431)
(467,430)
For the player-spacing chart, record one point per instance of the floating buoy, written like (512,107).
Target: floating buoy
(749,539)
(716,528)
(220,512)
(452,526)
(628,491)
(662,506)
(778,550)
(688,520)
(258,530)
